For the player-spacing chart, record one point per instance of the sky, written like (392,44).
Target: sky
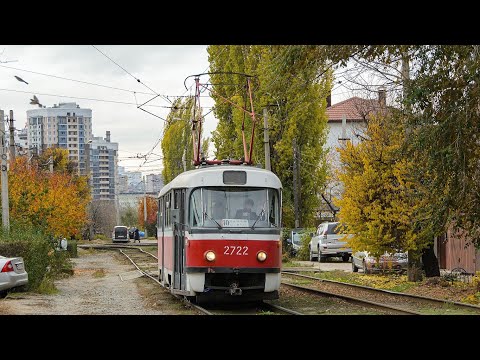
(163,68)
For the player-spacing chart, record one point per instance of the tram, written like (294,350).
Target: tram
(219,233)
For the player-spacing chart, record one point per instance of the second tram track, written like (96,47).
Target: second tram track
(407,303)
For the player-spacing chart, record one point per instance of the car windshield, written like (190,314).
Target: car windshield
(296,238)
(333,228)
(234,207)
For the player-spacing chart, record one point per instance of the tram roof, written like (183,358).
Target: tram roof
(213,176)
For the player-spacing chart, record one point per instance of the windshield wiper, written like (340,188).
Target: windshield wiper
(216,222)
(259,215)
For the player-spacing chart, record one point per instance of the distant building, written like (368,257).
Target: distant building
(135,181)
(22,141)
(122,183)
(154,183)
(65,125)
(103,161)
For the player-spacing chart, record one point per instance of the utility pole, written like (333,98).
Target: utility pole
(184,160)
(4,177)
(145,206)
(266,140)
(12,138)
(295,184)
(87,170)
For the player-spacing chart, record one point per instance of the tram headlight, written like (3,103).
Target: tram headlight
(210,255)
(261,256)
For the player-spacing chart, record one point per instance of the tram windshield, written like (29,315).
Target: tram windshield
(228,207)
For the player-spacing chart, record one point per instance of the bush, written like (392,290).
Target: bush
(151,228)
(32,246)
(41,259)
(72,248)
(304,252)
(286,247)
(102,237)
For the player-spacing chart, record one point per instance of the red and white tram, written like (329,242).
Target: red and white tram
(219,233)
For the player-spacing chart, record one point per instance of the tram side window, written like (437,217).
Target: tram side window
(176,196)
(167,210)
(160,213)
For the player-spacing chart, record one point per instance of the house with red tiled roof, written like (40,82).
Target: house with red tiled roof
(347,119)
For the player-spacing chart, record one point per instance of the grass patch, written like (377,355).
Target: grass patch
(99,273)
(393,282)
(293,263)
(47,287)
(263,312)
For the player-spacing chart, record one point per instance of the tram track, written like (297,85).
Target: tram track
(399,302)
(142,261)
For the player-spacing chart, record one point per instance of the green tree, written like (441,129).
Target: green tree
(129,216)
(289,85)
(177,139)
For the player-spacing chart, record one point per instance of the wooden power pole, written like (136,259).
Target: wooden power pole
(4,176)
(266,140)
(12,139)
(295,185)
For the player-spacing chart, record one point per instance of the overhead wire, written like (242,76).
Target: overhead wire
(137,79)
(78,81)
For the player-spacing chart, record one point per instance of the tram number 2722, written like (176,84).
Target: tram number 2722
(235,250)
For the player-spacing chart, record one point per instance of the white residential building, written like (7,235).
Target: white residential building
(103,162)
(65,125)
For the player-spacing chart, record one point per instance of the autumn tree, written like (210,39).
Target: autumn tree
(61,163)
(55,202)
(381,197)
(152,209)
(289,84)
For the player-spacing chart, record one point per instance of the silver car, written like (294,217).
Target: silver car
(327,243)
(397,262)
(12,273)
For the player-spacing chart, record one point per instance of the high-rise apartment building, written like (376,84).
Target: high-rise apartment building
(65,125)
(103,168)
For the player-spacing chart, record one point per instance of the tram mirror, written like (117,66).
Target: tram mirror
(289,241)
(312,234)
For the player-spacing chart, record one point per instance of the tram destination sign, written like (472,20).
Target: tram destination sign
(234,223)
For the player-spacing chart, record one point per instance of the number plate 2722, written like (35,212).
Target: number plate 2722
(235,250)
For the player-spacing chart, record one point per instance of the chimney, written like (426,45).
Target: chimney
(382,97)
(329,99)
(107,138)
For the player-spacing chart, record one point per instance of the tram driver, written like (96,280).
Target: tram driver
(247,211)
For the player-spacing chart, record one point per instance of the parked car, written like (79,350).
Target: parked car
(397,262)
(295,240)
(12,273)
(120,233)
(326,243)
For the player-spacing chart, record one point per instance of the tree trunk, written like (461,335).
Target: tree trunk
(430,262)
(414,270)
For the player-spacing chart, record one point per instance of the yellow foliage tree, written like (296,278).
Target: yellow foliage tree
(57,202)
(381,201)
